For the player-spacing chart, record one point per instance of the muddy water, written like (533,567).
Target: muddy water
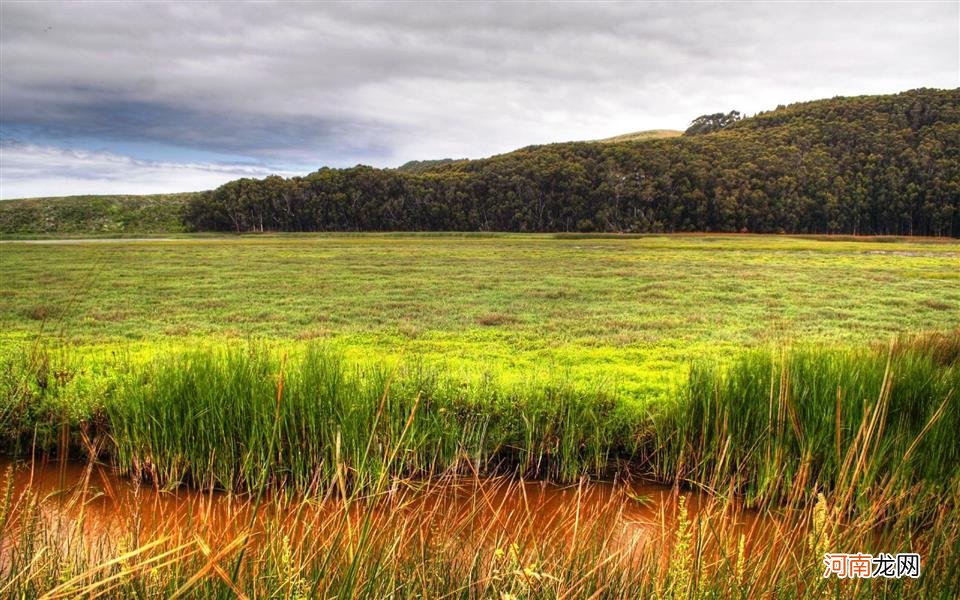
(106,509)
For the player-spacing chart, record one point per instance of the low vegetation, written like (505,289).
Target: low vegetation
(768,423)
(649,134)
(628,314)
(95,215)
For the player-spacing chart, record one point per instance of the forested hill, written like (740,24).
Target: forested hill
(862,165)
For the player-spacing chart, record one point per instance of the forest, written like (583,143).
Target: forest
(868,165)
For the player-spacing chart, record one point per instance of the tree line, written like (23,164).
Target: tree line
(862,165)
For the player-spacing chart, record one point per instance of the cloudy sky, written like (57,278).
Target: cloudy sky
(115,97)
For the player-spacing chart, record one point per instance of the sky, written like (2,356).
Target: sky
(135,98)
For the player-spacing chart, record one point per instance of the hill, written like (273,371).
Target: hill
(421,166)
(158,213)
(871,165)
(650,134)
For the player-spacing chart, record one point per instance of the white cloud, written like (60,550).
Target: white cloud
(30,170)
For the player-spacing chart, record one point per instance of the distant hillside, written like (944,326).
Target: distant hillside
(159,213)
(877,165)
(421,166)
(650,134)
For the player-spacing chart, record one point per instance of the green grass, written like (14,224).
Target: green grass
(334,419)
(526,319)
(770,424)
(233,416)
(631,312)
(777,421)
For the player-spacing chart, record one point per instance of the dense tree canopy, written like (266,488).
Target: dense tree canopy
(862,165)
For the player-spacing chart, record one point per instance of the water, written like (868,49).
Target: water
(105,509)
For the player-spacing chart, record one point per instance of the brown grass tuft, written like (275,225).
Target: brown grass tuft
(496,318)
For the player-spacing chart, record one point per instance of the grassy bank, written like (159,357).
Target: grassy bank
(838,449)
(233,416)
(769,422)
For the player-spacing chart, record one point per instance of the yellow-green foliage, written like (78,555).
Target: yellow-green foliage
(630,312)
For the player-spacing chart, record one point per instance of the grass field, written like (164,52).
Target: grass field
(632,312)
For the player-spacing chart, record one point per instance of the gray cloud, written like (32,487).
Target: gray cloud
(313,84)
(108,116)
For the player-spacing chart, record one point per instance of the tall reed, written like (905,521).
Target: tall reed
(207,416)
(773,420)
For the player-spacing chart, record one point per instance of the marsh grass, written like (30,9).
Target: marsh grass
(776,420)
(208,416)
(771,421)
